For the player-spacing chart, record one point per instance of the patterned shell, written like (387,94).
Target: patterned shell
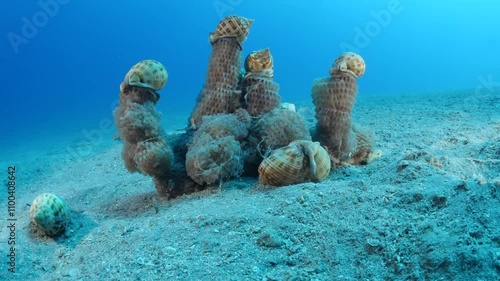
(284,166)
(148,74)
(319,160)
(288,106)
(49,213)
(232,26)
(350,62)
(260,61)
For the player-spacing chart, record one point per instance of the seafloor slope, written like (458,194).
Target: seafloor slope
(428,209)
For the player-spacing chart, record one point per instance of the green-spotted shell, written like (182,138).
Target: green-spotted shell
(50,214)
(148,74)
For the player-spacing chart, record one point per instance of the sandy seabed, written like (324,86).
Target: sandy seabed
(428,209)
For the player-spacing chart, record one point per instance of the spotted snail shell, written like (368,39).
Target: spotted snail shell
(148,74)
(349,62)
(284,166)
(260,61)
(232,26)
(297,162)
(49,213)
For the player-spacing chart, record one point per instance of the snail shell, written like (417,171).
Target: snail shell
(288,106)
(284,166)
(318,159)
(232,26)
(148,74)
(49,213)
(323,164)
(349,62)
(260,61)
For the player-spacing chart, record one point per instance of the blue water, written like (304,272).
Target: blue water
(63,75)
